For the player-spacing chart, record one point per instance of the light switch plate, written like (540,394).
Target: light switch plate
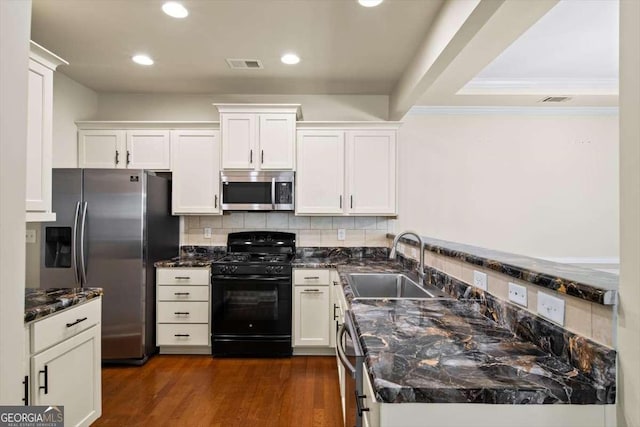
(518,294)
(480,280)
(551,308)
(207,232)
(342,234)
(31,236)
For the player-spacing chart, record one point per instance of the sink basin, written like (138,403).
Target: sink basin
(389,285)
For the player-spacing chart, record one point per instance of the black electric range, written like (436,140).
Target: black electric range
(251,295)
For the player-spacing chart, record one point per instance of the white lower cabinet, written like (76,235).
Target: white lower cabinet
(312,310)
(68,372)
(183,311)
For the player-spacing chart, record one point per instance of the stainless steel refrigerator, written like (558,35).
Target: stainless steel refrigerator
(112,225)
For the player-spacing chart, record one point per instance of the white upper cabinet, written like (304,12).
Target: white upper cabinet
(148,149)
(320,176)
(101,148)
(196,172)
(258,136)
(42,64)
(371,172)
(348,169)
(119,148)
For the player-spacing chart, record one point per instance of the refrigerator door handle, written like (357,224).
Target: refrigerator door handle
(83,267)
(74,248)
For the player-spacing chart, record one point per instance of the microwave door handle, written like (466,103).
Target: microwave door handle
(273,193)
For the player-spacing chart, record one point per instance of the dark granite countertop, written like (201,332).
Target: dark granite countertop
(186,261)
(451,351)
(39,303)
(591,285)
(446,351)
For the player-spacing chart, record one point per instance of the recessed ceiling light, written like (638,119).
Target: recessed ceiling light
(142,60)
(369,3)
(175,9)
(290,58)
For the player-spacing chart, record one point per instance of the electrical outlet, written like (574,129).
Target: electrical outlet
(342,234)
(518,294)
(551,308)
(207,232)
(31,236)
(480,280)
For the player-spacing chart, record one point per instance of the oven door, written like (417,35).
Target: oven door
(251,306)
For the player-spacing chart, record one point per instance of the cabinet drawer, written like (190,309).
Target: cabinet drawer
(169,334)
(65,324)
(183,293)
(305,277)
(182,276)
(183,312)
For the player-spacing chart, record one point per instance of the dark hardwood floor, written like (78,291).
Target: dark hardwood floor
(203,391)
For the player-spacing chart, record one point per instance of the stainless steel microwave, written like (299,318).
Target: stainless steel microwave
(257,191)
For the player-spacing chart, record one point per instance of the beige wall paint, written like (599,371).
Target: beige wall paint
(15,19)
(310,231)
(539,186)
(629,309)
(131,106)
(71,101)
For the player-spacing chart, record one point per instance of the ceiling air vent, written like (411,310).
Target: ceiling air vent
(556,99)
(245,64)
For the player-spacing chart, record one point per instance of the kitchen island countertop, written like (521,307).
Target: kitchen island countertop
(39,303)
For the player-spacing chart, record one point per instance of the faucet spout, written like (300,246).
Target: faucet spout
(392,254)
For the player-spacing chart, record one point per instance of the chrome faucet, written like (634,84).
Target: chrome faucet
(392,255)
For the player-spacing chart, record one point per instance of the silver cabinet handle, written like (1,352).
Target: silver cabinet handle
(312,278)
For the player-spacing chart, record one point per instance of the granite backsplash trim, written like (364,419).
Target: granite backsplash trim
(563,278)
(595,361)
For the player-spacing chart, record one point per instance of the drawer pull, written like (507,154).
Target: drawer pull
(181,335)
(312,278)
(181,293)
(177,313)
(45,387)
(76,322)
(311,290)
(183,277)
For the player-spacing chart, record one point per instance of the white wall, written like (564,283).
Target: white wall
(131,106)
(540,186)
(71,102)
(629,308)
(15,19)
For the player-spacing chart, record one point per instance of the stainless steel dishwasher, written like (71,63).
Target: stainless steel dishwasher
(352,358)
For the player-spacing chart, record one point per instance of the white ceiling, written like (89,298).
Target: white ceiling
(345,48)
(571,51)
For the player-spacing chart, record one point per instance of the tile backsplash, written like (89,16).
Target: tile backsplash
(311,231)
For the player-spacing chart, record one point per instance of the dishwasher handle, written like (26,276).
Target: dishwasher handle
(341,352)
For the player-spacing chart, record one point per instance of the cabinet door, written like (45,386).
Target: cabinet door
(101,149)
(320,175)
(195,157)
(371,172)
(239,141)
(277,134)
(148,149)
(69,374)
(39,138)
(311,316)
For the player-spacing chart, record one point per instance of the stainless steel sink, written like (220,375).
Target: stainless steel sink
(390,286)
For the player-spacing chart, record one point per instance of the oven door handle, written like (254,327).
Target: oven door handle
(244,278)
